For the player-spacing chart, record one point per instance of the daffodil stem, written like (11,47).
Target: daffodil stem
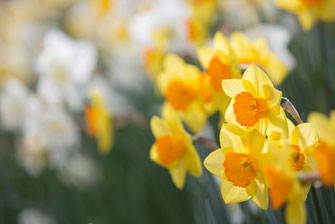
(204,141)
(289,107)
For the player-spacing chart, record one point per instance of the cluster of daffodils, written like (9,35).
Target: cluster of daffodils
(262,153)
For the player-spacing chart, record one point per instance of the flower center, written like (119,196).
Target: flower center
(280,186)
(325,155)
(240,168)
(179,95)
(91,117)
(249,110)
(298,157)
(312,2)
(169,149)
(218,71)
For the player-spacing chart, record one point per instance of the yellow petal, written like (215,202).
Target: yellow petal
(272,96)
(232,87)
(253,141)
(277,70)
(295,212)
(159,127)
(222,43)
(195,117)
(258,78)
(328,11)
(174,63)
(154,155)
(322,127)
(261,197)
(214,162)
(277,125)
(205,56)
(307,19)
(304,135)
(192,161)
(178,175)
(172,120)
(233,194)
(230,137)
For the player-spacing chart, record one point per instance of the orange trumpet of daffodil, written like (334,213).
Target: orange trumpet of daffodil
(255,103)
(173,147)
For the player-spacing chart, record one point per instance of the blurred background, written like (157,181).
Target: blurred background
(61,58)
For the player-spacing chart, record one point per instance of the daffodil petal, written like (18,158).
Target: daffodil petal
(258,78)
(205,56)
(233,194)
(222,43)
(322,127)
(192,161)
(253,141)
(295,212)
(178,175)
(261,197)
(214,162)
(159,127)
(304,135)
(232,87)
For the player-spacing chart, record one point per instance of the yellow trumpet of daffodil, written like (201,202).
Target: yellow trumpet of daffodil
(258,52)
(99,121)
(284,186)
(325,150)
(173,147)
(239,164)
(309,11)
(255,103)
(181,85)
(219,63)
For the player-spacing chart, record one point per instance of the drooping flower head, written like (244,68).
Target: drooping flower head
(239,164)
(325,150)
(255,103)
(173,147)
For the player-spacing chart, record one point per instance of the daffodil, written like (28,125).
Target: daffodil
(99,121)
(173,147)
(239,164)
(255,103)
(325,150)
(284,187)
(220,64)
(258,52)
(310,11)
(180,84)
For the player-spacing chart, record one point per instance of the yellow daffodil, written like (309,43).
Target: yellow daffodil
(284,186)
(99,121)
(173,147)
(255,103)
(220,64)
(180,84)
(310,11)
(325,151)
(199,24)
(239,164)
(258,52)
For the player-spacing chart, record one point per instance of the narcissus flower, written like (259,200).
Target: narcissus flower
(255,103)
(99,121)
(284,186)
(310,11)
(173,147)
(325,150)
(180,84)
(220,64)
(239,164)
(258,52)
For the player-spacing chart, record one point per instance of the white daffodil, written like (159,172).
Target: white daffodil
(64,66)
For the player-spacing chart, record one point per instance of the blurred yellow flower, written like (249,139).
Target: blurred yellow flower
(99,121)
(239,164)
(325,150)
(173,147)
(310,11)
(255,103)
(258,52)
(283,184)
(220,64)
(180,84)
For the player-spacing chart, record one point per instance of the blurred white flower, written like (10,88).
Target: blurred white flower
(80,171)
(13,104)
(34,216)
(278,38)
(49,136)
(64,67)
(165,16)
